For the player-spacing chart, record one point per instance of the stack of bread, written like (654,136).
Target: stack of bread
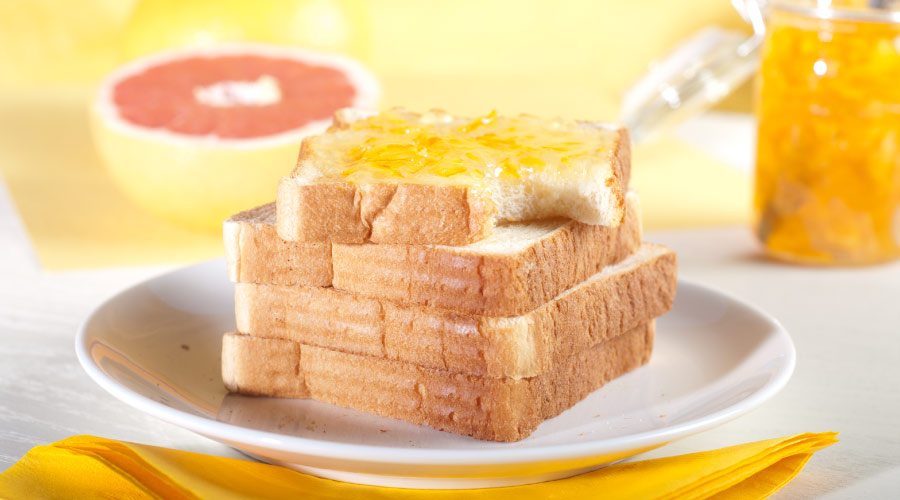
(474,275)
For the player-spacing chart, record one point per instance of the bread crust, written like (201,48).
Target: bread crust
(484,283)
(262,367)
(621,168)
(464,279)
(255,254)
(412,214)
(495,409)
(603,306)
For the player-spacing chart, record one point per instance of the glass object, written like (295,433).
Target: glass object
(828,146)
(696,74)
(827,185)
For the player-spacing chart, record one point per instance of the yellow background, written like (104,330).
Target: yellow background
(567,58)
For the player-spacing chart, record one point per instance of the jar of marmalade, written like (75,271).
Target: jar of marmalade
(828,145)
(828,107)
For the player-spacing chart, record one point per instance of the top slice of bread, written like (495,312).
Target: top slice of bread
(332,197)
(516,269)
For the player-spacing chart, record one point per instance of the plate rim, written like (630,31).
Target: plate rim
(505,453)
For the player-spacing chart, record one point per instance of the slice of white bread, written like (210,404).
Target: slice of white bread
(608,303)
(496,409)
(255,254)
(433,178)
(513,271)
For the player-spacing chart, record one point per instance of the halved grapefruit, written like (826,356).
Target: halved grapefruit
(196,135)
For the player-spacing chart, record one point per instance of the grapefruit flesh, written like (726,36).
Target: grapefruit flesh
(199,134)
(171,96)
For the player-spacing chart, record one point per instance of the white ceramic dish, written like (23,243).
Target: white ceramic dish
(156,347)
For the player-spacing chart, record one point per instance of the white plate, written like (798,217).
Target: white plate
(156,347)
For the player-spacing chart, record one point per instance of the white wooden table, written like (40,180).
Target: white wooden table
(845,324)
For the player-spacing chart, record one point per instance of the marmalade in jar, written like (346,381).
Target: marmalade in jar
(828,146)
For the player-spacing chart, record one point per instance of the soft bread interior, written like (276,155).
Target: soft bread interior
(514,237)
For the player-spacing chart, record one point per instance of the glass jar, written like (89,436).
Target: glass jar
(827,187)
(828,146)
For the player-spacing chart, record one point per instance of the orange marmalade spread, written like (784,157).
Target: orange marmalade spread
(828,147)
(436,147)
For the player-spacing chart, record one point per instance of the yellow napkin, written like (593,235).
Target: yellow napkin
(84,467)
